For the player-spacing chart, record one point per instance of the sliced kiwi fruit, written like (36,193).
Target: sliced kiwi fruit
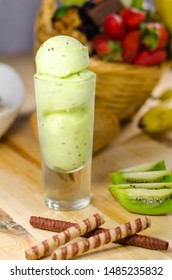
(151,186)
(144,201)
(150,166)
(141,177)
(143,189)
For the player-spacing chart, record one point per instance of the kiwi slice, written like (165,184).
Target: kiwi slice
(145,201)
(150,166)
(151,186)
(141,177)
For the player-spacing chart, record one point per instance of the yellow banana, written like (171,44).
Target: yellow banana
(158,119)
(166,94)
(163,8)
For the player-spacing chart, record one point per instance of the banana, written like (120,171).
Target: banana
(158,119)
(163,7)
(166,94)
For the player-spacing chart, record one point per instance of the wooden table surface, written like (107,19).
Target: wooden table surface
(22,191)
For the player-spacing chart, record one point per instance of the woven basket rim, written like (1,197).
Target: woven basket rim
(102,66)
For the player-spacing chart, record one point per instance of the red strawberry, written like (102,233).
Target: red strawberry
(113,26)
(132,17)
(154,35)
(130,45)
(107,48)
(148,58)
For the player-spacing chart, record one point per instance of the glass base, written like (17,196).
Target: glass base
(67,190)
(64,205)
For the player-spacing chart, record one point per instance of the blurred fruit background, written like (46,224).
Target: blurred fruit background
(129,42)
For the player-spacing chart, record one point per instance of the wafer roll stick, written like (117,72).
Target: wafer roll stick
(50,224)
(111,235)
(144,241)
(47,246)
(147,242)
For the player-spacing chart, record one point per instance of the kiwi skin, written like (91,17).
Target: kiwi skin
(141,177)
(147,202)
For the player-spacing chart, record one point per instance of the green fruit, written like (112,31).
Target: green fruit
(73,2)
(148,202)
(151,186)
(163,7)
(150,166)
(143,189)
(157,119)
(166,94)
(141,177)
(127,3)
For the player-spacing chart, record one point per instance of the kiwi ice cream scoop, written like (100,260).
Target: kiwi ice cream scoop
(65,96)
(65,92)
(61,56)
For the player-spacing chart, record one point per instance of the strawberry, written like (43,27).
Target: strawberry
(150,58)
(130,45)
(107,48)
(154,36)
(132,17)
(113,26)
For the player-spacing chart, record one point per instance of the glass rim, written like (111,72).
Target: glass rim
(62,80)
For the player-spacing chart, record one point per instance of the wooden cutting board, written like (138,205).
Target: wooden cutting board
(22,191)
(22,194)
(13,238)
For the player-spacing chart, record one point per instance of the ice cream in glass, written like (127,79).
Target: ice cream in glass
(65,93)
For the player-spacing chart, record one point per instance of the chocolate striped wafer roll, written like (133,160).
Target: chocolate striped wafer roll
(144,241)
(95,241)
(47,246)
(50,224)
(147,242)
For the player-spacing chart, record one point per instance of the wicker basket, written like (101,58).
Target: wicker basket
(123,88)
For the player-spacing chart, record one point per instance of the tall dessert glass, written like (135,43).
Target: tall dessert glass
(65,114)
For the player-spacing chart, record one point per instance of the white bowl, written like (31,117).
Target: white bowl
(12,95)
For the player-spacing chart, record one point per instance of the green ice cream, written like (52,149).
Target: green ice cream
(65,103)
(61,56)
